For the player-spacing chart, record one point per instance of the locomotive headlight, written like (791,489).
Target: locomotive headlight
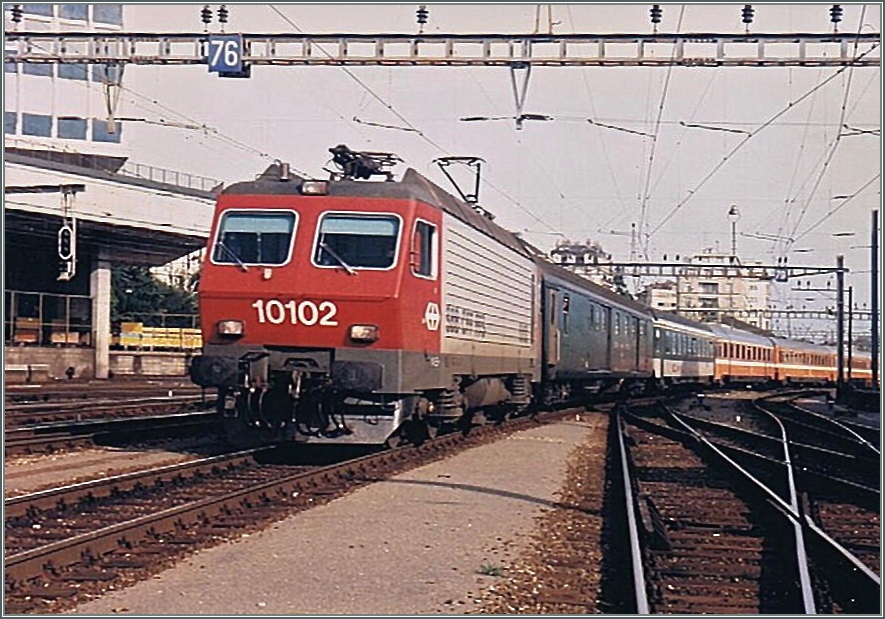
(364,333)
(314,188)
(230,328)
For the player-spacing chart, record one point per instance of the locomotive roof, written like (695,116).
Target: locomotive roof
(413,186)
(733,334)
(665,317)
(601,291)
(803,346)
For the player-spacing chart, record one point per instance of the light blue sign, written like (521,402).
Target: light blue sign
(225,53)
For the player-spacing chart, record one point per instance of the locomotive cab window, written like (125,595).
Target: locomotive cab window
(254,237)
(353,240)
(424,250)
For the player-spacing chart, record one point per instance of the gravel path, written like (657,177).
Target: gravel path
(433,540)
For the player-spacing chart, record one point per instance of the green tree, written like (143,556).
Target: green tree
(139,296)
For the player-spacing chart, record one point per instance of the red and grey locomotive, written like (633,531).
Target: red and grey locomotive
(356,311)
(349,310)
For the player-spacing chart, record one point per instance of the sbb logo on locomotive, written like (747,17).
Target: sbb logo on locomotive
(305,313)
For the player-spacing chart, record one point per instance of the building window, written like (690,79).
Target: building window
(72,128)
(38,9)
(72,71)
(709,288)
(33,68)
(100,131)
(9,122)
(108,13)
(11,67)
(73,11)
(104,73)
(36,124)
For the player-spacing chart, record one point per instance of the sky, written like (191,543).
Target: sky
(566,178)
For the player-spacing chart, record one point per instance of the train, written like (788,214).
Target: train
(360,311)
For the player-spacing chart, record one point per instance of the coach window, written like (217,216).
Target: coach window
(424,250)
(353,240)
(254,237)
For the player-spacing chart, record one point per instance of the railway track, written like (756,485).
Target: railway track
(709,537)
(707,549)
(60,391)
(38,413)
(55,437)
(58,546)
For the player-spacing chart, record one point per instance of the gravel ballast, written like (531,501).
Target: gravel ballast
(436,539)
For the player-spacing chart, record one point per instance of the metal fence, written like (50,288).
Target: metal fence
(169,177)
(59,320)
(44,319)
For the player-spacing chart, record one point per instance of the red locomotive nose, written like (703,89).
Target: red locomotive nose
(322,271)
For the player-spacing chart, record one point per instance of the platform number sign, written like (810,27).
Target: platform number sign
(225,53)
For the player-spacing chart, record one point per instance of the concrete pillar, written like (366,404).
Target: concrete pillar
(100,291)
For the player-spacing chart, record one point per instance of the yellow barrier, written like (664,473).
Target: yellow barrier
(136,335)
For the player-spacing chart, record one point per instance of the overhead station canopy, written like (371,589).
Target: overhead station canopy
(130,220)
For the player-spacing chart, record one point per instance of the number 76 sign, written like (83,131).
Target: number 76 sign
(225,53)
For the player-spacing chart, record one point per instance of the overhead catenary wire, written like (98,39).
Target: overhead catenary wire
(643,211)
(834,146)
(790,198)
(602,142)
(743,142)
(836,209)
(409,124)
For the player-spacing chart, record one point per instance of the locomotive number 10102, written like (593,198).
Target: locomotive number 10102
(305,313)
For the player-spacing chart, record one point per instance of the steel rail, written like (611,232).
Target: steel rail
(28,439)
(68,406)
(31,564)
(789,510)
(838,424)
(856,574)
(53,498)
(640,594)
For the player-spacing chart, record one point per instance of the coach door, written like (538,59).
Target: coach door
(641,344)
(551,328)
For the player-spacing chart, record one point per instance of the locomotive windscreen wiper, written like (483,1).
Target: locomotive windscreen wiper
(232,254)
(350,270)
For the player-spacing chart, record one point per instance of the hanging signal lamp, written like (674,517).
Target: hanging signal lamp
(16,12)
(836,15)
(747,15)
(206,16)
(655,12)
(222,15)
(422,13)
